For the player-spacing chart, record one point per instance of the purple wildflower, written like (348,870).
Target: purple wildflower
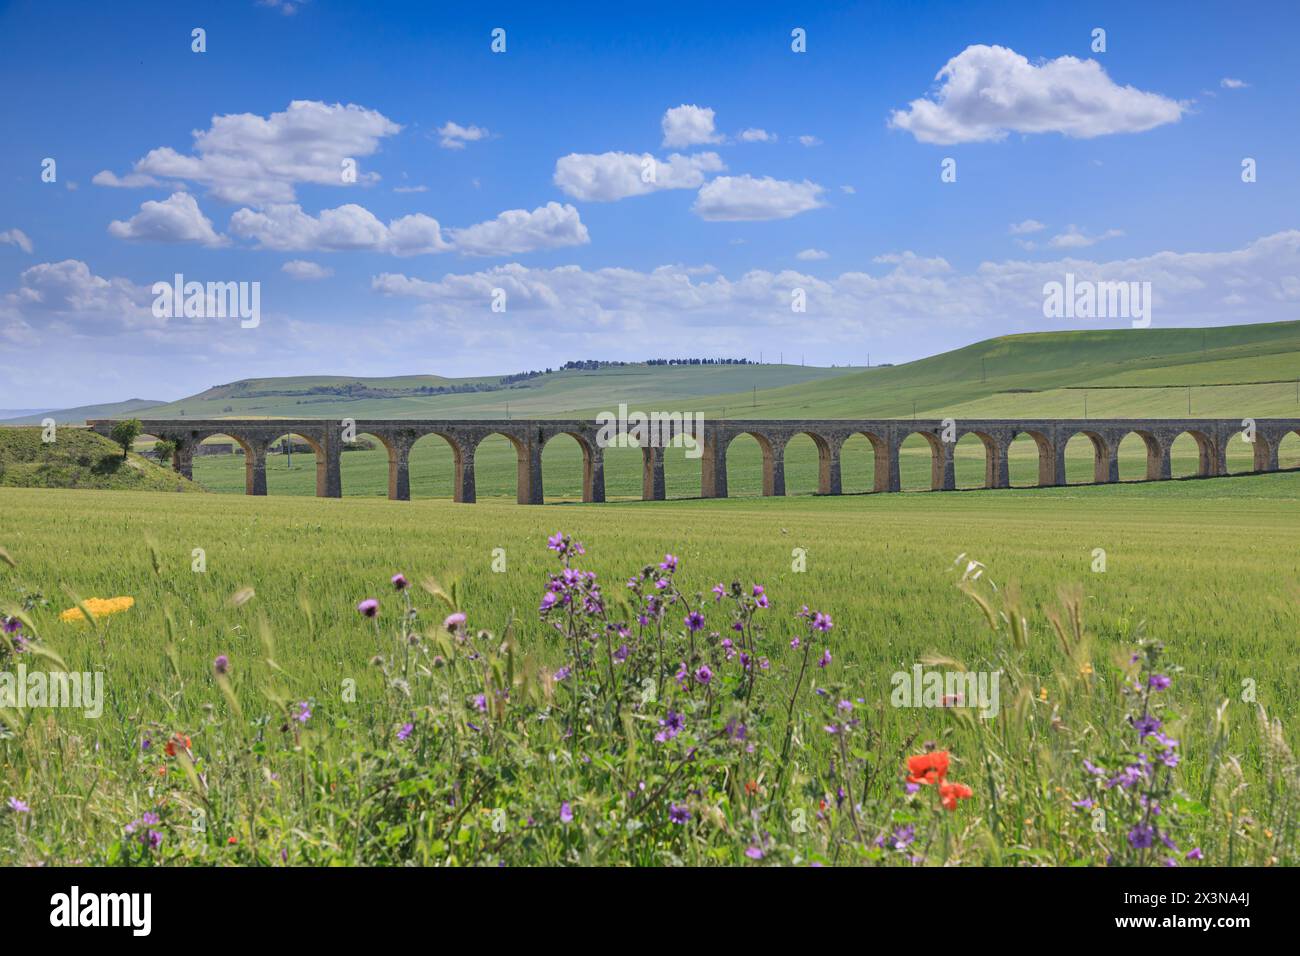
(566,812)
(17,806)
(222,664)
(399,582)
(678,813)
(694,621)
(405,731)
(1141,836)
(369,607)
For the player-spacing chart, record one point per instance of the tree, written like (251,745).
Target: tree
(125,433)
(163,451)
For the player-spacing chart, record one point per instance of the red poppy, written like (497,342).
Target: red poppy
(178,740)
(928,768)
(751,786)
(950,793)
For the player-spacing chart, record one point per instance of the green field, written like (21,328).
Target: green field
(580,735)
(1210,568)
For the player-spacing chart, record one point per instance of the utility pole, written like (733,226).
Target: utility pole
(869,363)
(288,453)
(913,409)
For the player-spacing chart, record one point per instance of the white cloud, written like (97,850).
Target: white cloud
(67,297)
(455,136)
(287,7)
(616,311)
(689,126)
(552,226)
(1076,238)
(306,271)
(245,158)
(410,189)
(987,91)
(849,190)
(16,237)
(807,140)
(174,219)
(1228,83)
(748,198)
(809,255)
(605,177)
(130,181)
(1027,226)
(286,228)
(755,135)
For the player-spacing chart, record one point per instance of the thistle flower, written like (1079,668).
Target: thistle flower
(694,621)
(368,608)
(399,582)
(222,664)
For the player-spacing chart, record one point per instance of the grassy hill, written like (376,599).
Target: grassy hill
(425,396)
(79,414)
(79,459)
(1238,370)
(1126,373)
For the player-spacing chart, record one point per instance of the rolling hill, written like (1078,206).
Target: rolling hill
(79,459)
(1247,370)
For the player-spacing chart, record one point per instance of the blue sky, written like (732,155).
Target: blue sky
(1122,164)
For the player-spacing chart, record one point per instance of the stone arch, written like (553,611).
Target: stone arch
(855,447)
(1242,457)
(318,453)
(253,452)
(993,455)
(426,452)
(1288,450)
(827,450)
(593,463)
(772,452)
(1204,453)
(1046,452)
(360,470)
(1155,456)
(528,459)
(1103,461)
(941,476)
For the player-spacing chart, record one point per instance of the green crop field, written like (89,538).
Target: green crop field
(731,704)
(1209,568)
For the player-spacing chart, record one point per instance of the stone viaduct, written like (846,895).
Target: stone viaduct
(529,437)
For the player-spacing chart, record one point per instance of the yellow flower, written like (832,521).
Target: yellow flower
(1086,669)
(1042,694)
(98,607)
